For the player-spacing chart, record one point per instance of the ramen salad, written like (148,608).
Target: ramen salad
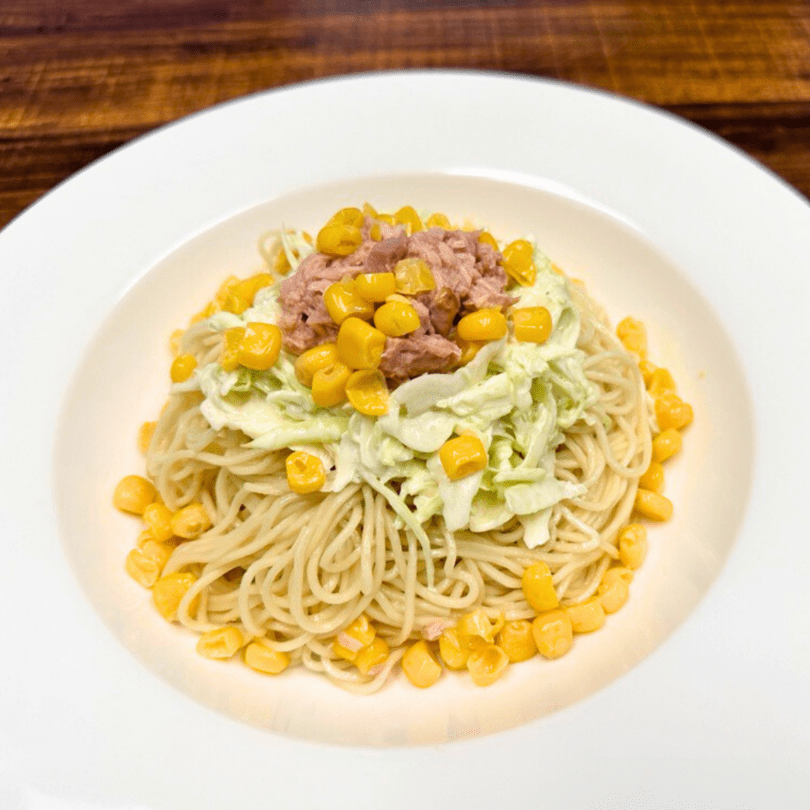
(406,446)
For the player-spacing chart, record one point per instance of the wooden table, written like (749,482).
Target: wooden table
(80,77)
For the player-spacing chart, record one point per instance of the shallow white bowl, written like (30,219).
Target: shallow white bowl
(659,219)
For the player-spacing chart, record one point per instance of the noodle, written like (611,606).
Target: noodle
(297,569)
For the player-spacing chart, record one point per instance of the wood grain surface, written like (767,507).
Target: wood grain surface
(80,77)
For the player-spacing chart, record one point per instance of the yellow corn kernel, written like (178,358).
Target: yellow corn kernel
(247,288)
(396,318)
(653,479)
(647,370)
(452,651)
(516,639)
(359,344)
(462,456)
(476,628)
(159,552)
(408,217)
(338,240)
(553,633)
(413,276)
(224,290)
(145,433)
(133,493)
(168,592)
(182,367)
(174,340)
(158,517)
(614,588)
(538,587)
(347,216)
(632,545)
(486,238)
(361,630)
(487,665)
(367,392)
(666,444)
(235,303)
(469,348)
(220,643)
(313,360)
(142,568)
(653,506)
(388,219)
(144,537)
(229,351)
(483,324)
(532,324)
(346,653)
(281,264)
(587,616)
(438,220)
(260,346)
(375,232)
(305,472)
(555,268)
(660,381)
(190,521)
(420,665)
(369,210)
(371,656)
(375,286)
(633,335)
(342,302)
(206,312)
(329,384)
(264,659)
(672,412)
(518,262)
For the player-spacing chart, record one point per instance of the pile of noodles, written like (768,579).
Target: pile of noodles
(297,569)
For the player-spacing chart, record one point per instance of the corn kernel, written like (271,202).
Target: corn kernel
(532,324)
(329,384)
(388,219)
(462,456)
(614,588)
(264,659)
(143,569)
(259,347)
(159,552)
(660,381)
(633,335)
(235,303)
(168,592)
(518,262)
(342,301)
(396,318)
(375,286)
(224,290)
(413,276)
(347,216)
(158,517)
(145,433)
(652,505)
(367,392)
(361,630)
(487,665)
(408,217)
(475,628)
(483,324)
(359,344)
(452,651)
(438,220)
(420,665)
(538,587)
(587,616)
(647,370)
(182,367)
(653,479)
(516,639)
(174,341)
(666,444)
(190,521)
(313,360)
(672,412)
(469,348)
(206,312)
(338,240)
(372,655)
(133,493)
(305,472)
(369,210)
(247,288)
(346,653)
(486,238)
(220,643)
(632,545)
(375,232)
(553,633)
(229,350)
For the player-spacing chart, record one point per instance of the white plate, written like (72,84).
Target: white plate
(660,219)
